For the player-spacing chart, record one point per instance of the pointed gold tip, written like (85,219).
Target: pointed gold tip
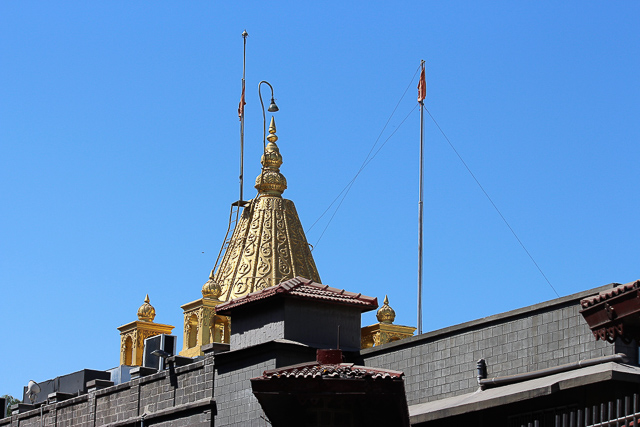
(272,125)
(272,131)
(386,300)
(146,299)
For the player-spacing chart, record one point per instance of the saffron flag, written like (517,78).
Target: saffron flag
(422,86)
(241,105)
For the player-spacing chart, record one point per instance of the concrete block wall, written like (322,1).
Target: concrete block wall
(442,363)
(263,325)
(237,406)
(315,323)
(175,398)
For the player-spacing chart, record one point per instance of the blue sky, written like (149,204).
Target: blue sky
(119,156)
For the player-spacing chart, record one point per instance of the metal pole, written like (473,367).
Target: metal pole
(420,213)
(244,62)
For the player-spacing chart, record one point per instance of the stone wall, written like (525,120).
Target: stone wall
(442,363)
(316,324)
(237,406)
(175,397)
(310,322)
(266,324)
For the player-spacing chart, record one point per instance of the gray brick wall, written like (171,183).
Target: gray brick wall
(237,406)
(162,395)
(442,364)
(316,324)
(263,325)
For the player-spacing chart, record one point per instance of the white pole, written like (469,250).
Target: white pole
(244,61)
(420,211)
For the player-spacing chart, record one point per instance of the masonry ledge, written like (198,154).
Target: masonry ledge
(113,389)
(190,367)
(53,406)
(240,353)
(164,412)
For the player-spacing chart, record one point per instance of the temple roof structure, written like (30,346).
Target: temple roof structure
(330,392)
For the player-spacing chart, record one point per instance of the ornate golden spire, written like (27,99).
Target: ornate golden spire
(146,312)
(386,314)
(268,245)
(271,181)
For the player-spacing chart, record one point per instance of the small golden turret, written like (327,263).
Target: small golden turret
(384,331)
(386,314)
(211,289)
(133,334)
(146,312)
(201,325)
(271,181)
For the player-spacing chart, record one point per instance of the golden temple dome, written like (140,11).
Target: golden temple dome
(211,289)
(146,312)
(268,244)
(386,314)
(271,181)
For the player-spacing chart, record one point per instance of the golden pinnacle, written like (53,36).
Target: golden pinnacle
(272,131)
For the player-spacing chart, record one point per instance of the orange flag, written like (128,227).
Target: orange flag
(241,105)
(422,86)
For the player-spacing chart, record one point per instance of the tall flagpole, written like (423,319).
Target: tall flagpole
(422,91)
(241,110)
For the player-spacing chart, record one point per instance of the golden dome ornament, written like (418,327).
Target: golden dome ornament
(386,314)
(146,312)
(211,289)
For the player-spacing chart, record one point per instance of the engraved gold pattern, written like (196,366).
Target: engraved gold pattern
(386,314)
(267,247)
(146,311)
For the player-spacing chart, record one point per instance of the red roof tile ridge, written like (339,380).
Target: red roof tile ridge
(618,289)
(302,287)
(341,370)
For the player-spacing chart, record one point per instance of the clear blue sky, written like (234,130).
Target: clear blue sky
(119,156)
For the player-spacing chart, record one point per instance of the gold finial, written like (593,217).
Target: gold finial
(272,131)
(211,289)
(271,182)
(146,312)
(386,314)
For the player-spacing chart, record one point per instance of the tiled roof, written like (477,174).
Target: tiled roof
(300,287)
(342,370)
(618,289)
